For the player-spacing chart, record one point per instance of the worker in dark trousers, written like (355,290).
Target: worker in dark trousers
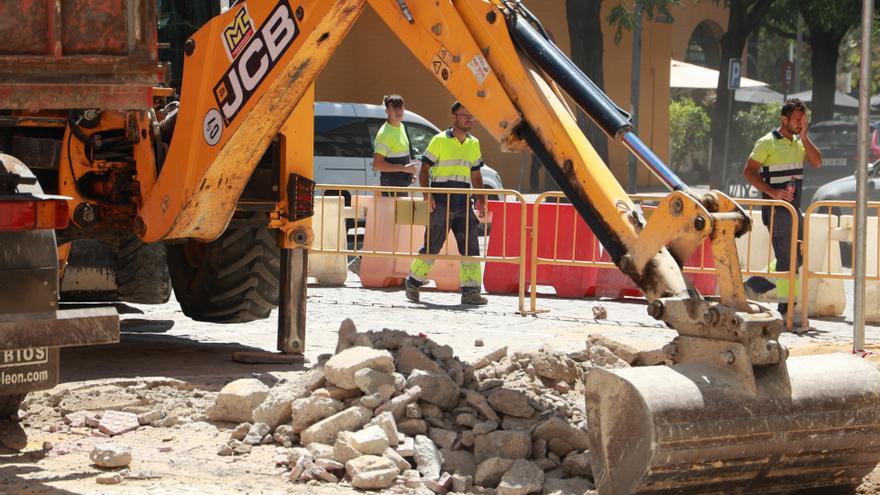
(776,168)
(391,155)
(452,159)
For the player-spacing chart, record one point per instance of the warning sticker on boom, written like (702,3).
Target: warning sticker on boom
(479,68)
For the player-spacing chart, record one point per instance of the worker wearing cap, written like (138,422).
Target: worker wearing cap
(391,150)
(776,168)
(452,159)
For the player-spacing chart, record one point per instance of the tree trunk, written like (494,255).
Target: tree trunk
(732,44)
(825,52)
(745,16)
(585,30)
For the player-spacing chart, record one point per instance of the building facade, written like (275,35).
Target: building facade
(354,74)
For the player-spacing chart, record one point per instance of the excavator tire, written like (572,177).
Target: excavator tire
(233,279)
(9,405)
(142,272)
(812,427)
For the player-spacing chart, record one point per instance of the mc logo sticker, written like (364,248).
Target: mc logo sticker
(238,33)
(258,55)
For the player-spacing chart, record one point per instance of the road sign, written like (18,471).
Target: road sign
(787,75)
(734,74)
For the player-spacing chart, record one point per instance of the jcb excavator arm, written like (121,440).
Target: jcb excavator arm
(733,414)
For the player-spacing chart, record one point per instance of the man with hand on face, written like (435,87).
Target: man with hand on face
(776,168)
(452,159)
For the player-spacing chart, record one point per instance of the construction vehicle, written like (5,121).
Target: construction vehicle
(222,176)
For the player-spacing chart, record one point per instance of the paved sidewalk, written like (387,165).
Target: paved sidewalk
(564,326)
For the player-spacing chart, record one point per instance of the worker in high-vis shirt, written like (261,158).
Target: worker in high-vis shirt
(452,159)
(391,150)
(776,168)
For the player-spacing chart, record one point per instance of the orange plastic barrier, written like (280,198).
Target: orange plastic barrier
(385,233)
(571,241)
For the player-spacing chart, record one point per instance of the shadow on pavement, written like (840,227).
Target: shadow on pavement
(142,355)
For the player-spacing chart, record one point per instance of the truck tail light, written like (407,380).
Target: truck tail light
(32,214)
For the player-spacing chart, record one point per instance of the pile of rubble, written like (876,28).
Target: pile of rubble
(390,409)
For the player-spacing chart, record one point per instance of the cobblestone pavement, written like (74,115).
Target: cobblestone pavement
(564,325)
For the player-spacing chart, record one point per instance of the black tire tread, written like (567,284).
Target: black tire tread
(142,272)
(238,281)
(9,404)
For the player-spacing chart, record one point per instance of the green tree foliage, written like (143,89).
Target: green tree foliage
(749,125)
(688,135)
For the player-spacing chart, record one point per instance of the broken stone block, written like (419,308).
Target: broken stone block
(397,459)
(556,427)
(458,461)
(117,422)
(442,438)
(506,444)
(110,455)
(539,448)
(625,352)
(411,359)
(437,388)
(342,394)
(150,417)
(347,334)
(76,419)
(413,411)
(602,357)
(309,410)
(240,431)
(578,464)
(237,400)
(462,483)
(283,435)
(485,427)
(256,433)
(490,471)
(413,427)
(441,485)
(371,472)
(511,402)
(276,408)
(600,313)
(553,365)
(412,479)
(224,450)
(559,447)
(370,381)
(325,431)
(398,404)
(652,357)
(478,402)
(428,459)
(320,450)
(241,448)
(522,478)
(329,464)
(430,410)
(406,447)
(388,425)
(340,369)
(442,352)
(372,401)
(109,479)
(465,419)
(372,440)
(492,357)
(343,451)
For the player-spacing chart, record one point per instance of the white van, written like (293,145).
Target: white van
(344,134)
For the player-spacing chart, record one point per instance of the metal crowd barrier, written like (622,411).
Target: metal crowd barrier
(410,221)
(841,232)
(411,216)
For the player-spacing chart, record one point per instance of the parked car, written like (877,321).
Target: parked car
(838,142)
(844,189)
(344,134)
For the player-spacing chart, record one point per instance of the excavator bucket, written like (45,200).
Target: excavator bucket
(695,428)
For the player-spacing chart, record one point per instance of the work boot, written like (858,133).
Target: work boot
(412,292)
(473,298)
